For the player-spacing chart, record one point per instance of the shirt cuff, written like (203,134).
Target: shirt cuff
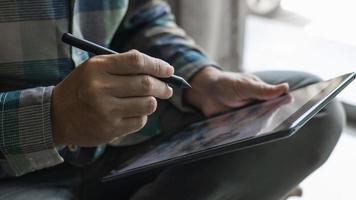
(27,131)
(188,72)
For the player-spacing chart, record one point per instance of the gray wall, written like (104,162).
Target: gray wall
(218,26)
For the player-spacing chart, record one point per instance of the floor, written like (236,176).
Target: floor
(322,40)
(337,178)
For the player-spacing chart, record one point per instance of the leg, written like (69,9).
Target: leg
(58,183)
(264,172)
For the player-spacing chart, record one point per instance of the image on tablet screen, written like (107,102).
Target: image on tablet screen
(241,124)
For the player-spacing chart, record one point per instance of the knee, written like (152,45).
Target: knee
(296,79)
(322,134)
(302,79)
(323,131)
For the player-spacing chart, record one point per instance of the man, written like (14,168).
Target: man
(52,111)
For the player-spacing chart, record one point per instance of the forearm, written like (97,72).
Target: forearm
(26,132)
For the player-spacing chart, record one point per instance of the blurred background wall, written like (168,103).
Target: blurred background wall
(218,27)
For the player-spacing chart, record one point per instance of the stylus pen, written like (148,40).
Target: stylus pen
(174,81)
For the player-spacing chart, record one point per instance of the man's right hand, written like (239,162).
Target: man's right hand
(108,97)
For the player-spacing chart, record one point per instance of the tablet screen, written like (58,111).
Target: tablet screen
(239,125)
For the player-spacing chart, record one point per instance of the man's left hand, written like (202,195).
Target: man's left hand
(214,91)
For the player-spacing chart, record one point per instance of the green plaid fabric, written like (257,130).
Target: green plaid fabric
(33,60)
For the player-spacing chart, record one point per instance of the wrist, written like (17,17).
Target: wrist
(201,86)
(204,78)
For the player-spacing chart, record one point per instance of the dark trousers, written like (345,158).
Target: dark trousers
(265,172)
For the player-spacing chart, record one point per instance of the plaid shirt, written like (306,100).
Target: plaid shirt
(33,60)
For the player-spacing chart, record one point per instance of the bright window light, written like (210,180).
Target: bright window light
(331,19)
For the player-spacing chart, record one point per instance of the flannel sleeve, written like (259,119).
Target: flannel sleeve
(150,27)
(26,142)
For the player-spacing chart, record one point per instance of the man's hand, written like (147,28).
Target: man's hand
(107,97)
(214,91)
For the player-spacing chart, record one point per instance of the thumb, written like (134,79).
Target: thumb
(264,91)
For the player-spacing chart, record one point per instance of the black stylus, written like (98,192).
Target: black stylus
(174,81)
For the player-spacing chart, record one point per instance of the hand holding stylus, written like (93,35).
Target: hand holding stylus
(173,80)
(106,97)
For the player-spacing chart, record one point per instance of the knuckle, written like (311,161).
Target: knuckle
(95,61)
(252,76)
(91,79)
(93,87)
(158,67)
(237,88)
(137,58)
(97,58)
(263,90)
(246,80)
(147,84)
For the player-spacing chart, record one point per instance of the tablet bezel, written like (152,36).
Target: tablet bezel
(275,135)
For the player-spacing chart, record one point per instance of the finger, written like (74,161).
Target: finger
(264,91)
(138,86)
(133,124)
(135,62)
(134,107)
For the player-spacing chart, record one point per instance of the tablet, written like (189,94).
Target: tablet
(242,128)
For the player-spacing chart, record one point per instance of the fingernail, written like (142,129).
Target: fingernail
(286,85)
(170,91)
(169,68)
